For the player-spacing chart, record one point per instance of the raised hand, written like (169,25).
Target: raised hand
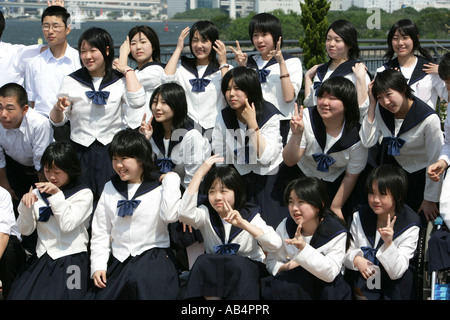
(240,57)
(146,128)
(221,51)
(29,198)
(277,52)
(47,187)
(298,240)
(233,216)
(387,233)
(296,123)
(62,104)
(183,34)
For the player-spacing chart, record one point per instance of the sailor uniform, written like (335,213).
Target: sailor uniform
(319,274)
(131,242)
(427,87)
(413,143)
(61,221)
(264,186)
(233,261)
(97,112)
(150,77)
(344,70)
(395,261)
(202,85)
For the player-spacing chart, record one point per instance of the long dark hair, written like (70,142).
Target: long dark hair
(347,31)
(151,36)
(207,30)
(409,28)
(100,38)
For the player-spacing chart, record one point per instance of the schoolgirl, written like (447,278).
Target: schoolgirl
(235,236)
(141,47)
(60,210)
(310,262)
(247,133)
(200,75)
(279,71)
(385,234)
(130,254)
(324,142)
(343,50)
(414,62)
(94,99)
(412,137)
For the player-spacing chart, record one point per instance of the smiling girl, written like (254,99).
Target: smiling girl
(59,209)
(94,99)
(308,265)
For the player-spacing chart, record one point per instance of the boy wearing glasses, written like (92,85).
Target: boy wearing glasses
(45,72)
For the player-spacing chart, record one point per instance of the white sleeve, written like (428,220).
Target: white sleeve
(171,197)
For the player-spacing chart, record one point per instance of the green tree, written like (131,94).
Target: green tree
(315,23)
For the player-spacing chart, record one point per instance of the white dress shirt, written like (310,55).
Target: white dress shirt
(8,223)
(90,122)
(65,232)
(132,235)
(44,74)
(251,247)
(27,143)
(324,262)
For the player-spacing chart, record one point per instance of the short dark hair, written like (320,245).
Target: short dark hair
(345,90)
(389,179)
(231,179)
(207,30)
(391,79)
(62,155)
(312,190)
(151,36)
(15,90)
(444,67)
(266,22)
(175,97)
(133,144)
(347,31)
(56,11)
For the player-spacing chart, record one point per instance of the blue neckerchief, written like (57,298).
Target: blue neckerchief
(328,229)
(127,206)
(99,96)
(418,112)
(199,84)
(248,212)
(406,219)
(263,73)
(165,164)
(231,122)
(418,73)
(348,138)
(68,190)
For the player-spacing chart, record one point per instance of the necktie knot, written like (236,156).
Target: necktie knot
(263,73)
(126,207)
(394,145)
(98,97)
(199,84)
(324,161)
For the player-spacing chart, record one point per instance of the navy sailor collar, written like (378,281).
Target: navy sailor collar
(158,137)
(418,73)
(251,62)
(82,75)
(190,64)
(406,219)
(418,112)
(145,187)
(152,63)
(328,229)
(348,138)
(248,212)
(68,190)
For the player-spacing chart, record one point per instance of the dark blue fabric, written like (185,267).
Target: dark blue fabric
(228,248)
(165,164)
(324,161)
(127,206)
(394,145)
(98,97)
(199,84)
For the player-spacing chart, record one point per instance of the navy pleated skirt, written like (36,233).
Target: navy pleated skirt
(299,284)
(66,278)
(149,276)
(231,277)
(439,249)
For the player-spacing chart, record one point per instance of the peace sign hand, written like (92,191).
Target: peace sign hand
(277,52)
(296,123)
(387,233)
(298,240)
(146,127)
(233,216)
(240,57)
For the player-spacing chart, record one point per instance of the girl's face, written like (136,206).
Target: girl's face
(381,204)
(402,44)
(300,210)
(218,194)
(330,107)
(336,47)
(393,101)
(141,49)
(264,43)
(201,48)
(56,176)
(235,97)
(162,112)
(128,169)
(92,59)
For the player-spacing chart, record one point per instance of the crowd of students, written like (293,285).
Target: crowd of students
(196,179)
